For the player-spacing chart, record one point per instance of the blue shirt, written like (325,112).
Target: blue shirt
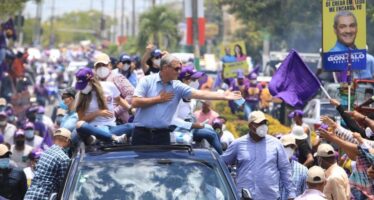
(299,176)
(228,59)
(368,72)
(261,166)
(69,121)
(159,115)
(133,79)
(339,47)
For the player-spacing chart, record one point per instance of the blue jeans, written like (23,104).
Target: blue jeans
(210,135)
(249,107)
(106,135)
(357,194)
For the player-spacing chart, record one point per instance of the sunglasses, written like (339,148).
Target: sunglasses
(157,57)
(177,69)
(126,62)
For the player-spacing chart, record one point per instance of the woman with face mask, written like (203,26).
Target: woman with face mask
(95,108)
(184,119)
(104,73)
(126,67)
(151,60)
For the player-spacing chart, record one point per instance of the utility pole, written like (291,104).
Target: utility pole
(133,18)
(153,3)
(122,17)
(37,27)
(102,25)
(52,35)
(115,25)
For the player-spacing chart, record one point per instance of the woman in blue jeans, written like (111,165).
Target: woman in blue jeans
(95,107)
(183,117)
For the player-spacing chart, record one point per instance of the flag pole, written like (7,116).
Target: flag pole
(324,91)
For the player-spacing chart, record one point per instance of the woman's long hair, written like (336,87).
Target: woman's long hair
(84,100)
(240,51)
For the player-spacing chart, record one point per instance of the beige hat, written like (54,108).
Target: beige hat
(60,111)
(256,117)
(288,139)
(63,132)
(325,150)
(3,149)
(2,102)
(102,58)
(316,175)
(298,133)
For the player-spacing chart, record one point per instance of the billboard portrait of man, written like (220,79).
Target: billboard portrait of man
(343,36)
(345,28)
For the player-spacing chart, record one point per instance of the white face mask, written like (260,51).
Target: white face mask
(289,152)
(3,123)
(103,72)
(126,67)
(157,63)
(368,132)
(194,84)
(262,130)
(87,89)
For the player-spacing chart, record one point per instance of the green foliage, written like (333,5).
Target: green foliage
(71,27)
(291,23)
(9,8)
(159,26)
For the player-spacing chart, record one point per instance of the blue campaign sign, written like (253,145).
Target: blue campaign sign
(338,61)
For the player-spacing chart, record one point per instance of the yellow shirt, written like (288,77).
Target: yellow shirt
(337,184)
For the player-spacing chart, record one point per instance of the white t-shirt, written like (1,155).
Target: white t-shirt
(36,142)
(227,137)
(110,92)
(20,157)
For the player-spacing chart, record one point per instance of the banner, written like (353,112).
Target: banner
(234,49)
(230,70)
(344,34)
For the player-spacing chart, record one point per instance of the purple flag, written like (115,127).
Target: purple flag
(293,82)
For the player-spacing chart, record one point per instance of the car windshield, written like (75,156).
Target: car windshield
(150,179)
(329,110)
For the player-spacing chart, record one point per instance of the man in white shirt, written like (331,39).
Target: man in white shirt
(316,182)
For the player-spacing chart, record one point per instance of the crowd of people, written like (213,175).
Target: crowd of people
(115,100)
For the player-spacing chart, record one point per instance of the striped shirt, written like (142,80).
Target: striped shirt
(299,176)
(347,135)
(359,178)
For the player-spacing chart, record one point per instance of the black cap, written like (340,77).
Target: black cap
(70,91)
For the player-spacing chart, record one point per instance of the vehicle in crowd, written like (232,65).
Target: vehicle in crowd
(107,171)
(317,108)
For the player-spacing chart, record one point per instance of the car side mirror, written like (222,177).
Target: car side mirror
(246,195)
(53,196)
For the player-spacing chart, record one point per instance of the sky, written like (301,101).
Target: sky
(63,6)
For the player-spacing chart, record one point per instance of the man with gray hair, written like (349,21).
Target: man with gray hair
(156,98)
(345,28)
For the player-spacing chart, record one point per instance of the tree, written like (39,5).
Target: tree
(71,27)
(290,23)
(159,25)
(8,8)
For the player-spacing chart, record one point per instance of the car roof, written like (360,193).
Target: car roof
(113,152)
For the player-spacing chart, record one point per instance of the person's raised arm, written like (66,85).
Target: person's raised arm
(145,57)
(209,95)
(349,148)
